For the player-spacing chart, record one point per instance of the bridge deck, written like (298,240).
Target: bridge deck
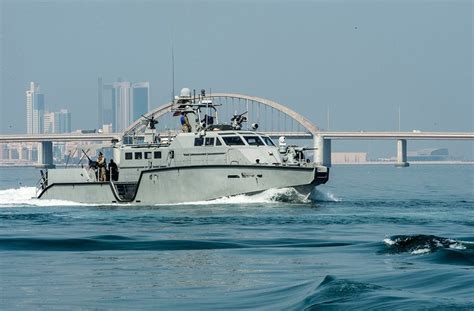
(295,135)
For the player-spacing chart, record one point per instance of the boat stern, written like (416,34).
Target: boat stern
(321,175)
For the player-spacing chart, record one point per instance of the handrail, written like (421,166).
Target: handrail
(42,183)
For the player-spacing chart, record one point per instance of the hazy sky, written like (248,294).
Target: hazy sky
(362,59)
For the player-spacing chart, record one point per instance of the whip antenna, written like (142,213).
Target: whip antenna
(172,72)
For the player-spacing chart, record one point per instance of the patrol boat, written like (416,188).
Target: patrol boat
(204,161)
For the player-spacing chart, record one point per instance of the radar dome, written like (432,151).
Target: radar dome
(185,92)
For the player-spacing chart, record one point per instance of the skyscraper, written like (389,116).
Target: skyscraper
(30,94)
(128,102)
(34,110)
(62,121)
(57,122)
(48,123)
(141,99)
(123,107)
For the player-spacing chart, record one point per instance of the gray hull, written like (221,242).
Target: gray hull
(189,184)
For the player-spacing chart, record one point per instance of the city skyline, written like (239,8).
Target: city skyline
(128,102)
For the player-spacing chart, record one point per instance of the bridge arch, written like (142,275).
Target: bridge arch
(164,109)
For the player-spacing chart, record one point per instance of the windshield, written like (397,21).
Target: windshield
(268,141)
(233,140)
(254,141)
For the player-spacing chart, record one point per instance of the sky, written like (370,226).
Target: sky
(361,60)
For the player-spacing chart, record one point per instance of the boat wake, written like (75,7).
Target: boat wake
(280,195)
(323,196)
(27,196)
(284,195)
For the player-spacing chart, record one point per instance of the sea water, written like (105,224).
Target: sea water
(374,237)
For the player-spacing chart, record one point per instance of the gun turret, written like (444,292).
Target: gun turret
(92,164)
(151,122)
(237,120)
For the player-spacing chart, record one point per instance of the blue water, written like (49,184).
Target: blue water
(374,237)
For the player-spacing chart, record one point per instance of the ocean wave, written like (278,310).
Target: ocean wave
(335,292)
(339,293)
(421,244)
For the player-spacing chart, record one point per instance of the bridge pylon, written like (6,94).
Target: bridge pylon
(322,152)
(402,153)
(45,155)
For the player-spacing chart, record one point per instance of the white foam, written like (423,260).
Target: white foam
(267,196)
(389,242)
(421,251)
(457,246)
(325,196)
(27,196)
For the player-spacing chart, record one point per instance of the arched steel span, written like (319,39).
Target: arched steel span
(308,125)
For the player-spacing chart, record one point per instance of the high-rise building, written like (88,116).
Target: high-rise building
(123,107)
(34,110)
(106,104)
(57,122)
(128,102)
(140,99)
(30,94)
(62,122)
(48,123)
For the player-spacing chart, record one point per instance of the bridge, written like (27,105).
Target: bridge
(274,119)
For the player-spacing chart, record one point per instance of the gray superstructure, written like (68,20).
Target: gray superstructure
(206,160)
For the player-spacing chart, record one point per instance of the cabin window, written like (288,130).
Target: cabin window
(198,141)
(218,141)
(148,155)
(254,141)
(268,141)
(157,154)
(233,140)
(128,155)
(209,141)
(138,156)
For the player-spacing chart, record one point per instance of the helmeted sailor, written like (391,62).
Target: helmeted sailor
(101,163)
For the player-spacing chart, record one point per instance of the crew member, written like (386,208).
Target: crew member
(185,126)
(208,120)
(101,163)
(113,170)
